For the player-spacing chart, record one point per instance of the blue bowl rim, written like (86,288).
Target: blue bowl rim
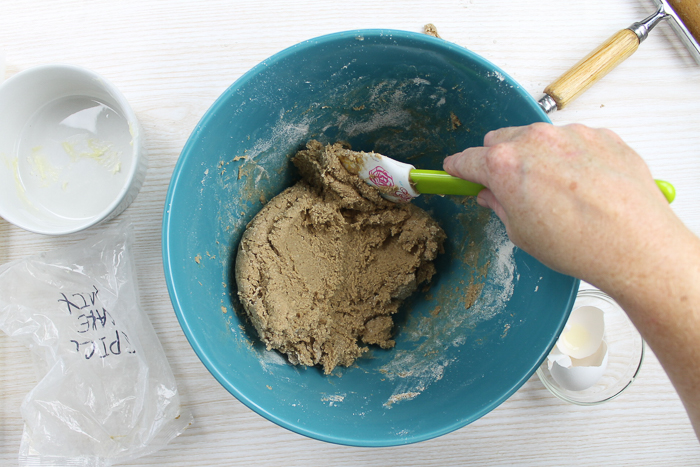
(167,266)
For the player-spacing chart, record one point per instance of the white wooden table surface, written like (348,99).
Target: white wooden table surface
(173,58)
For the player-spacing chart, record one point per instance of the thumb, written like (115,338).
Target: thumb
(487,199)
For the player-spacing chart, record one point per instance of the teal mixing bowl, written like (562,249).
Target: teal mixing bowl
(463,345)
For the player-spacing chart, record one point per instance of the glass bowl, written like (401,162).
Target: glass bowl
(625,354)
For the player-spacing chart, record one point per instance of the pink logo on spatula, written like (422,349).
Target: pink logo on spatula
(380,177)
(403,194)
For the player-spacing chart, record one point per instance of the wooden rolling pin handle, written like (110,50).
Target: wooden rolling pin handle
(593,67)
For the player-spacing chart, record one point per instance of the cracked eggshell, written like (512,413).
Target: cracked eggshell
(583,373)
(561,358)
(583,332)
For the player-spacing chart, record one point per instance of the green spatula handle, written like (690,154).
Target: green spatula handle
(667,189)
(438,182)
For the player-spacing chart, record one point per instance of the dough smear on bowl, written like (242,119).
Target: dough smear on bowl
(324,265)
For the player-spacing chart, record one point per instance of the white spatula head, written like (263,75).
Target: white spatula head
(390,176)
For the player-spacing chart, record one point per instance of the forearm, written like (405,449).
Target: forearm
(662,298)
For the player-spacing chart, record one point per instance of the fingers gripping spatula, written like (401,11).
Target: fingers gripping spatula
(400,182)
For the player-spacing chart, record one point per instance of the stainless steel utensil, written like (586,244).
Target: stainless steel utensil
(684,17)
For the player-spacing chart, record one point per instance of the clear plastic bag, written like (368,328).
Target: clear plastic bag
(107,394)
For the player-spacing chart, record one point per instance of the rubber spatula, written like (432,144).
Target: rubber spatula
(400,182)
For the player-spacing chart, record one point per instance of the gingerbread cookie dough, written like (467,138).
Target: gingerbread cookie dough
(324,265)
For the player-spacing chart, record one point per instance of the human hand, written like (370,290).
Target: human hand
(584,203)
(579,199)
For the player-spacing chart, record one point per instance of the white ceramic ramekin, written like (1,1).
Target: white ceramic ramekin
(71,150)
